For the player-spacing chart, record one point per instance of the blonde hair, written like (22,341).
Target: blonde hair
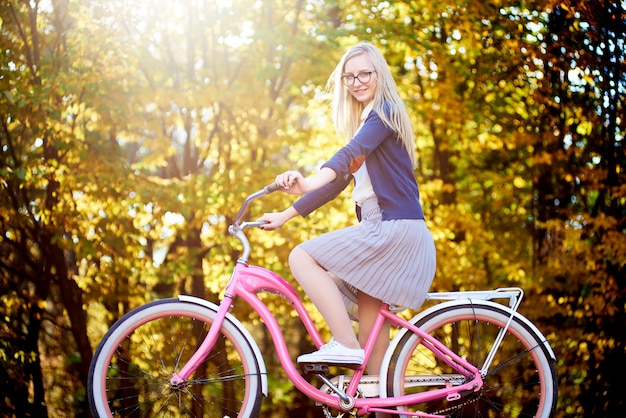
(387,102)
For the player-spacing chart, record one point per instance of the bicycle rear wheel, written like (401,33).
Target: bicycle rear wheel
(521,381)
(130,373)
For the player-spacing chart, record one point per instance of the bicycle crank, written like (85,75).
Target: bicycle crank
(346,402)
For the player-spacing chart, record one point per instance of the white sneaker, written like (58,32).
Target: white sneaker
(334,353)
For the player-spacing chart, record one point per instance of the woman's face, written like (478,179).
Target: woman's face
(360,78)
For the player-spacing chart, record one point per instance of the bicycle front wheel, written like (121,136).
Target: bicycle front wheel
(131,370)
(520,382)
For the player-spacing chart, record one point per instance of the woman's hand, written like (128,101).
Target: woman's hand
(278,219)
(292,182)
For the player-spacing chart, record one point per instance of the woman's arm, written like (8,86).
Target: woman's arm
(294,182)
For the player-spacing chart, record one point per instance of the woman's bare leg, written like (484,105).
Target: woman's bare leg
(368,310)
(324,293)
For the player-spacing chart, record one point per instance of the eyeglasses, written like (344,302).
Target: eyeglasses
(364,77)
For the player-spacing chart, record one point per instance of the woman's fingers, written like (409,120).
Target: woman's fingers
(287,179)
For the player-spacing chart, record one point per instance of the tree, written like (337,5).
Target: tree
(129,131)
(49,138)
(579,199)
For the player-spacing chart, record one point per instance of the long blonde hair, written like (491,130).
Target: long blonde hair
(347,110)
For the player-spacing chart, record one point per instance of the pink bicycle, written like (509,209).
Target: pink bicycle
(187,357)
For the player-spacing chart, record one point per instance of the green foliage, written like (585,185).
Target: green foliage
(131,131)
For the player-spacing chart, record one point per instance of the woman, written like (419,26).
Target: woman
(389,255)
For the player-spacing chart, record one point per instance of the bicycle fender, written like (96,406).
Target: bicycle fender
(255,347)
(500,306)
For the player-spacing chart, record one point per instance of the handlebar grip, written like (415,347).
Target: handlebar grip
(271,188)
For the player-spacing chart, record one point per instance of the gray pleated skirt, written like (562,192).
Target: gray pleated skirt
(393,261)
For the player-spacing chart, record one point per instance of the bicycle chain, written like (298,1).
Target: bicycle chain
(423,379)
(454,408)
(429,379)
(340,414)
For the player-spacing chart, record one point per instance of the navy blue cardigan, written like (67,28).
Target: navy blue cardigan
(388,165)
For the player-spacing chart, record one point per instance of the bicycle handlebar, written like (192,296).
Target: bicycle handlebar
(270,188)
(236,229)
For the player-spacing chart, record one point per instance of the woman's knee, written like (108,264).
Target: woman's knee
(295,257)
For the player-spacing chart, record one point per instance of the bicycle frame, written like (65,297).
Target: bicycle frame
(248,281)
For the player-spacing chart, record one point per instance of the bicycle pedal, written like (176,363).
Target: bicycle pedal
(315,368)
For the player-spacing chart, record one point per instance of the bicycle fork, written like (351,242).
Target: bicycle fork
(202,352)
